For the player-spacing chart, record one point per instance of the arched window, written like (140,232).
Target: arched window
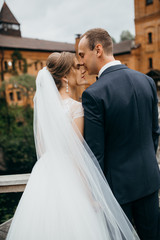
(6,65)
(149,37)
(19,95)
(150,63)
(149,2)
(20,123)
(35,64)
(13,65)
(11,96)
(41,65)
(10,64)
(20,65)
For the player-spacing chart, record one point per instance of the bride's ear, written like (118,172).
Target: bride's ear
(64,79)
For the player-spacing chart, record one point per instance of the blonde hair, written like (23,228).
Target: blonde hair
(59,65)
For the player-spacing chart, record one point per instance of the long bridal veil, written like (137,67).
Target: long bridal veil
(67,196)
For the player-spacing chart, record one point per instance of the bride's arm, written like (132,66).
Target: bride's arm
(79,122)
(78,117)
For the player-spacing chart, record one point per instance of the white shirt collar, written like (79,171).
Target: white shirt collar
(110,64)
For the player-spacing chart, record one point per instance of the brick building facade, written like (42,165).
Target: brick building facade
(145,53)
(32,52)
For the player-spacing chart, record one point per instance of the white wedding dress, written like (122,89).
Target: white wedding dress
(67,196)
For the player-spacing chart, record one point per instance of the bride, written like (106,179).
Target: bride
(67,196)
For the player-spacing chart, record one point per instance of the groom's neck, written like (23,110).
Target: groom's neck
(104,60)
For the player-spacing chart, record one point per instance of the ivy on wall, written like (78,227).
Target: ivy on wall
(17,56)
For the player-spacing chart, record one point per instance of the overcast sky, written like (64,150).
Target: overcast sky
(61,20)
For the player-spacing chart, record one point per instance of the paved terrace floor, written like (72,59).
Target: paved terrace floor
(4,229)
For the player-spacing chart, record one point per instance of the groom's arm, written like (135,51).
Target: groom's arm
(155,123)
(93,126)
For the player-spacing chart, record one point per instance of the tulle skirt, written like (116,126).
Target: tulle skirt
(56,205)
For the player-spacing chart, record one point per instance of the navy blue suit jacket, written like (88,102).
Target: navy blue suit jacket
(121,128)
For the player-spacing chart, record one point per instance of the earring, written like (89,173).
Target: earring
(67,91)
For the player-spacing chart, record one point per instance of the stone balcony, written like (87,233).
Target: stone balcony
(13,183)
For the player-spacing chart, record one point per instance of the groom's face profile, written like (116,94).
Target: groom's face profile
(87,57)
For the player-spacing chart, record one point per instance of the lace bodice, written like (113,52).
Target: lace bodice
(73,108)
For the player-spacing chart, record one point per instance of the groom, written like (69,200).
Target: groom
(121,128)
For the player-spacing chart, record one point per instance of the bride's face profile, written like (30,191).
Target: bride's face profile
(75,75)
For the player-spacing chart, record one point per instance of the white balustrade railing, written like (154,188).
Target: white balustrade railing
(13,183)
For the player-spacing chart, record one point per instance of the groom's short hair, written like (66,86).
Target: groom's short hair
(99,35)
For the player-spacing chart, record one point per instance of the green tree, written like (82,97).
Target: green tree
(17,56)
(113,39)
(8,204)
(18,62)
(25,83)
(16,134)
(17,145)
(17,141)
(126,35)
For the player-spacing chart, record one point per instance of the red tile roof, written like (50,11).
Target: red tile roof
(34,44)
(123,47)
(44,45)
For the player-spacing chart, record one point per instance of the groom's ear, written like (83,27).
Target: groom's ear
(99,49)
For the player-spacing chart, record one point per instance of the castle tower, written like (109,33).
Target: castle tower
(147,27)
(8,23)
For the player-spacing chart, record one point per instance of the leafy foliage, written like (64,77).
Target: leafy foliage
(17,149)
(8,203)
(19,65)
(25,83)
(126,35)
(113,39)
(25,80)
(16,55)
(17,145)
(17,142)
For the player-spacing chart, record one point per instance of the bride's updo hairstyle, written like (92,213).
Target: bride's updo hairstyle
(59,65)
